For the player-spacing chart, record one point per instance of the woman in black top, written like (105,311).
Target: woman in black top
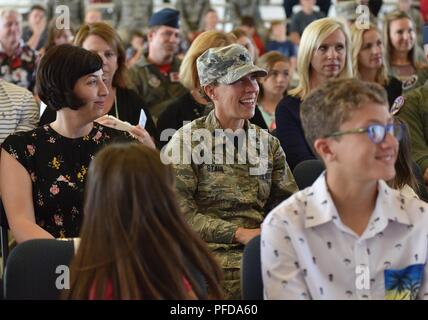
(48,165)
(121,102)
(368,61)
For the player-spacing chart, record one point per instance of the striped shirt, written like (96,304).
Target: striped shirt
(18,110)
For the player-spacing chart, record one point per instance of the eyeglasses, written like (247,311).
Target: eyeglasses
(376,132)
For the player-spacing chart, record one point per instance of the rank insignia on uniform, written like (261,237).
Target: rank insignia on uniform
(174,77)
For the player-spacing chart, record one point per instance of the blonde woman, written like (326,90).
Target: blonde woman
(401,51)
(368,60)
(324,53)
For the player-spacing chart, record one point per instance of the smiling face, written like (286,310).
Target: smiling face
(370,55)
(236,101)
(97,45)
(92,91)
(356,156)
(328,60)
(402,35)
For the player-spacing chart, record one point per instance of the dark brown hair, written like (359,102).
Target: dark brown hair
(134,235)
(58,72)
(404,163)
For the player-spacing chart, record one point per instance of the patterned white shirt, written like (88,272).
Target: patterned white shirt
(308,253)
(18,110)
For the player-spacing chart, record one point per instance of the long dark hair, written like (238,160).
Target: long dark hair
(134,236)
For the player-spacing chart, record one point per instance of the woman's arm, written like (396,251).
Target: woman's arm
(15,183)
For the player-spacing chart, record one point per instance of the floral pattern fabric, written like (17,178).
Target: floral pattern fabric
(58,169)
(20,68)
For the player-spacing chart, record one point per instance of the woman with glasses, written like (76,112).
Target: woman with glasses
(349,235)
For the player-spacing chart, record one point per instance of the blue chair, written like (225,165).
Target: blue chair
(251,271)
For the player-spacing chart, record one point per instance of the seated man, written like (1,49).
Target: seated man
(349,235)
(229,172)
(414,114)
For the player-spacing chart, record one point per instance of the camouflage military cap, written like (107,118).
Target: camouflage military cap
(226,65)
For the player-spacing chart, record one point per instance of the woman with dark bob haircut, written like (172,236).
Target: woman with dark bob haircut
(48,165)
(121,102)
(136,244)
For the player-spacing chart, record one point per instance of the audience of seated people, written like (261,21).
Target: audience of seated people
(88,94)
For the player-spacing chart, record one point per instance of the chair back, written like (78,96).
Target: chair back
(306,172)
(38,269)
(4,239)
(251,271)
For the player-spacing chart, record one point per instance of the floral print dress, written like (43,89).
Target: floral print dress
(58,167)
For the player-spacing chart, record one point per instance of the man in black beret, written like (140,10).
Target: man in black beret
(155,75)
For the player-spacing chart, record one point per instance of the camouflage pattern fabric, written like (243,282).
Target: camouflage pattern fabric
(226,65)
(156,89)
(191,13)
(132,14)
(216,199)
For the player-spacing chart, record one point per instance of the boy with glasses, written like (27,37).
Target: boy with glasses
(349,235)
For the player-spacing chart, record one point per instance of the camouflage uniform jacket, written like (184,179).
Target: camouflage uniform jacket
(216,199)
(154,87)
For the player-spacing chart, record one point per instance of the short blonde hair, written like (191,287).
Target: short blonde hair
(313,35)
(357,36)
(209,39)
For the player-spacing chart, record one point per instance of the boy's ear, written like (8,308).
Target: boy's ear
(323,146)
